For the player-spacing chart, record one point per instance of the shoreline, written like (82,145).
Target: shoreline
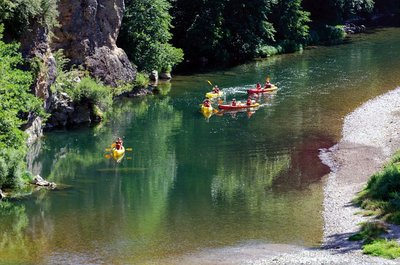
(370,136)
(369,139)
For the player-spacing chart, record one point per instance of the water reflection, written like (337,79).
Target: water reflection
(192,184)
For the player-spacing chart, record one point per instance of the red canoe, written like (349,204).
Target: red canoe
(239,106)
(262,90)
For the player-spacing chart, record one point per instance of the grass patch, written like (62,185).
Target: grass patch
(369,232)
(383,248)
(381,197)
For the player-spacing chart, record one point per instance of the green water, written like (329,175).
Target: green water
(192,183)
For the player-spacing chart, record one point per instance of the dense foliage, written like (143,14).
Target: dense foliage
(17,15)
(145,35)
(226,31)
(16,101)
(381,197)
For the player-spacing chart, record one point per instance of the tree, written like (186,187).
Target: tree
(16,100)
(145,35)
(291,21)
(222,31)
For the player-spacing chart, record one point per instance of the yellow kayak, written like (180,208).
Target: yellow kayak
(212,94)
(118,154)
(207,111)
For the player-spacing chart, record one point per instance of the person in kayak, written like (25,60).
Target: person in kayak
(249,102)
(267,84)
(233,103)
(258,86)
(206,103)
(216,89)
(118,143)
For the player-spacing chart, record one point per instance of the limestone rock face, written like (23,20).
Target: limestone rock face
(35,44)
(88,35)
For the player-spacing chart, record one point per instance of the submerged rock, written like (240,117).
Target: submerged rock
(165,76)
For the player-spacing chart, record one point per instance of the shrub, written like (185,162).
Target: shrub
(79,85)
(331,34)
(94,91)
(267,50)
(383,248)
(142,80)
(16,101)
(369,231)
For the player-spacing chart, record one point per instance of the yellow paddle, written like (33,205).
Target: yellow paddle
(210,82)
(126,149)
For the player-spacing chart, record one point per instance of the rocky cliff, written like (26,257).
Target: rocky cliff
(87,32)
(88,35)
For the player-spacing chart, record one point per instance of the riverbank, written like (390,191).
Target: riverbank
(370,137)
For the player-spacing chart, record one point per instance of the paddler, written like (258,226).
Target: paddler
(216,90)
(267,84)
(258,86)
(249,102)
(206,103)
(118,143)
(233,103)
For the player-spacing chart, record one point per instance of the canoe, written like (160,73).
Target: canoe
(238,107)
(214,95)
(118,154)
(262,90)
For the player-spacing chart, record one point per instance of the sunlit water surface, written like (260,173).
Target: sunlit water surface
(192,183)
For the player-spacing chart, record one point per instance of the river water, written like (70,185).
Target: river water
(192,183)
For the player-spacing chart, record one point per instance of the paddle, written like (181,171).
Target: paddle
(210,82)
(126,149)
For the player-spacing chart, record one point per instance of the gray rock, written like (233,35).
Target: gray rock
(154,76)
(88,34)
(39,181)
(34,129)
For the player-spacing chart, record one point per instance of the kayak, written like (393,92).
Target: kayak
(206,111)
(239,106)
(262,90)
(214,95)
(118,154)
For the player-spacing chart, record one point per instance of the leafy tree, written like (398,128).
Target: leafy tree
(291,20)
(145,35)
(17,15)
(16,100)
(222,31)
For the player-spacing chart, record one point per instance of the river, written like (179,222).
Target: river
(192,183)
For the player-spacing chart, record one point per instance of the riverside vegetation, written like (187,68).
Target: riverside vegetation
(158,35)
(381,198)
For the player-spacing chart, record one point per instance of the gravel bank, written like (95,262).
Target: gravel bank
(371,134)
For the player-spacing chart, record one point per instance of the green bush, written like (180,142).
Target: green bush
(331,34)
(79,85)
(385,184)
(267,50)
(142,80)
(95,92)
(16,101)
(383,248)
(369,231)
